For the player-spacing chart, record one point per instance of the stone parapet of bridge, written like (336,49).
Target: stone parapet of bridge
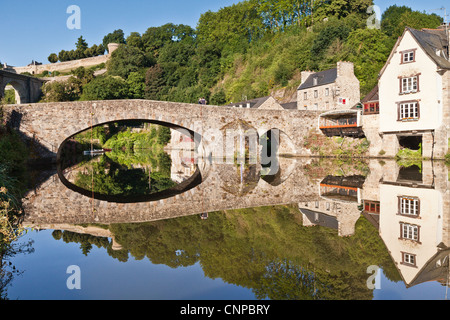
(216,128)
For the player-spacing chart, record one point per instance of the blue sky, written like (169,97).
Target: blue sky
(31,29)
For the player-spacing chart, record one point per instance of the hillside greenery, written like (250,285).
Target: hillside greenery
(247,50)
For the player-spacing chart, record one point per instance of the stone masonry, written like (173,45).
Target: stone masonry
(50,124)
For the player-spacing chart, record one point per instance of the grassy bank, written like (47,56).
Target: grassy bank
(13,181)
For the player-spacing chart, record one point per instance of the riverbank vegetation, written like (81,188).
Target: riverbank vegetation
(13,181)
(282,259)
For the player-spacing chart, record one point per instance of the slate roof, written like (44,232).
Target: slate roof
(290,105)
(323,77)
(254,103)
(435,44)
(321,219)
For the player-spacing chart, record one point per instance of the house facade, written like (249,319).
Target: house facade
(333,89)
(414,94)
(336,92)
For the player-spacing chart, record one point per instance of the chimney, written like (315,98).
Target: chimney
(345,69)
(305,75)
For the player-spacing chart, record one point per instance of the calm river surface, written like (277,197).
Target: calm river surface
(176,228)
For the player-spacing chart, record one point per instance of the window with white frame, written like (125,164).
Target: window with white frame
(408,56)
(409,85)
(409,231)
(316,93)
(409,206)
(409,111)
(305,96)
(408,258)
(327,92)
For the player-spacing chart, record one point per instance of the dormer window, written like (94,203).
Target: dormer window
(408,56)
(315,81)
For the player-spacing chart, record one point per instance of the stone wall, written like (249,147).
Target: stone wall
(52,123)
(67,65)
(63,66)
(370,125)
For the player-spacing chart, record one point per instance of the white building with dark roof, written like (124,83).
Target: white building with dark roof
(414,94)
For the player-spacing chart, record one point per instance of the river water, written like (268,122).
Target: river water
(178,228)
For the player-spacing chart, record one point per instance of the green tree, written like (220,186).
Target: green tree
(219,98)
(341,8)
(53,58)
(105,88)
(336,29)
(54,91)
(416,20)
(100,50)
(63,56)
(81,47)
(81,44)
(391,18)
(117,36)
(368,49)
(135,40)
(127,59)
(136,85)
(156,37)
(154,83)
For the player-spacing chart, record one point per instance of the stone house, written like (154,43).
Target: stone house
(336,92)
(333,89)
(414,94)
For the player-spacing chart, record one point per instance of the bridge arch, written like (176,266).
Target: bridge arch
(28,89)
(19,89)
(195,180)
(188,132)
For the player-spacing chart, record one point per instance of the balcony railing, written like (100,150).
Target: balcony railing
(339,123)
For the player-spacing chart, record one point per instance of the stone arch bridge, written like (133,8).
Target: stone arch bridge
(216,128)
(28,89)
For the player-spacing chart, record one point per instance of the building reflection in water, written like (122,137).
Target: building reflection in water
(410,207)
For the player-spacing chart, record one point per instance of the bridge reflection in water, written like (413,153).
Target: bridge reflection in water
(410,207)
